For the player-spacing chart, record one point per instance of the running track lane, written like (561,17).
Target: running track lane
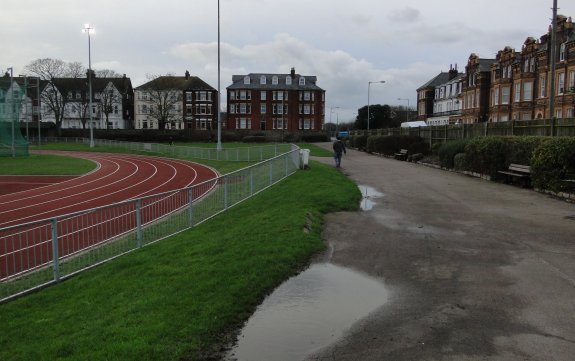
(118,177)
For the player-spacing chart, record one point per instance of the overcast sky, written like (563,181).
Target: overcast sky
(345,44)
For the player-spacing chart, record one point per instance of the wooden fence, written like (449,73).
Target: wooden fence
(443,133)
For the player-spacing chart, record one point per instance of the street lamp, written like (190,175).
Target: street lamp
(368,86)
(90,30)
(407,112)
(330,113)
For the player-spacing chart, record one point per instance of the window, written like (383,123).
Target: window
(542,86)
(232,108)
(302,80)
(263,108)
(188,96)
(505,95)
(559,114)
(263,80)
(571,81)
(527,91)
(517,92)
(288,80)
(561,82)
(562,53)
(532,65)
(275,80)
(246,80)
(504,76)
(188,109)
(263,95)
(243,123)
(496,97)
(78,95)
(526,66)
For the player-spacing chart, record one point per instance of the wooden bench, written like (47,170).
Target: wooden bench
(518,171)
(402,155)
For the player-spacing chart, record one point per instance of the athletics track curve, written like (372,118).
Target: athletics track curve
(117,178)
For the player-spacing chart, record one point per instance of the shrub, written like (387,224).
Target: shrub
(419,147)
(313,138)
(447,152)
(360,142)
(521,149)
(460,162)
(552,161)
(254,139)
(391,144)
(487,155)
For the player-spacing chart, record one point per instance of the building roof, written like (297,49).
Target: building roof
(439,79)
(170,82)
(310,81)
(485,64)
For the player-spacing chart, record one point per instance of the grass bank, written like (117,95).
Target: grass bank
(175,299)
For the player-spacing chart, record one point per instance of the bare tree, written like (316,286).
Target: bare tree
(110,97)
(164,96)
(55,94)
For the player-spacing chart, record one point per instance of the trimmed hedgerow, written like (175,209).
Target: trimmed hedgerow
(551,162)
(448,151)
(487,155)
(391,144)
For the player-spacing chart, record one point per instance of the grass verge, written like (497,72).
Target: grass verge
(174,299)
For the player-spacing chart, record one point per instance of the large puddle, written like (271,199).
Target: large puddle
(308,312)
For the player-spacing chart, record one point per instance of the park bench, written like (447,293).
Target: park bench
(518,171)
(402,155)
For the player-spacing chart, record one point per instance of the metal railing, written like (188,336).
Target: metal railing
(245,154)
(37,254)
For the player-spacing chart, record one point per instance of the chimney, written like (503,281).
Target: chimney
(452,71)
(187,75)
(292,73)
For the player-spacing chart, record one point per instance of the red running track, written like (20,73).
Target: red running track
(117,178)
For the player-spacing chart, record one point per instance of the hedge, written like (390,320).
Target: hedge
(552,161)
(391,144)
(448,150)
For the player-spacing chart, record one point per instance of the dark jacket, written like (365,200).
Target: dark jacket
(339,147)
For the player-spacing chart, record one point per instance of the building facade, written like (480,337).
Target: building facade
(271,102)
(439,99)
(172,102)
(68,99)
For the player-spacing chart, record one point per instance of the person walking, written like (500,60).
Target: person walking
(338,149)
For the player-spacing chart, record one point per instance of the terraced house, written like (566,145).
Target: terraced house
(275,102)
(515,85)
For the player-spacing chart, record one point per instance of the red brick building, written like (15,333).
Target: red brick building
(275,102)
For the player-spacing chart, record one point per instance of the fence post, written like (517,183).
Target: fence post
(226,192)
(251,181)
(55,255)
(271,173)
(139,222)
(191,208)
(485,127)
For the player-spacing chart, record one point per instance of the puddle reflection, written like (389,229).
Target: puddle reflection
(308,312)
(369,194)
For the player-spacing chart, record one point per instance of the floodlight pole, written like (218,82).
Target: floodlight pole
(219,146)
(88,29)
(13,146)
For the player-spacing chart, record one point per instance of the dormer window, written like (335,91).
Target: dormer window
(562,52)
(275,80)
(263,80)
(288,80)
(302,81)
(246,80)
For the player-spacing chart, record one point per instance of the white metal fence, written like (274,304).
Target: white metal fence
(40,253)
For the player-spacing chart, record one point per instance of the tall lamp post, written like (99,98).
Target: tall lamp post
(90,30)
(407,112)
(330,113)
(368,86)
(219,146)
